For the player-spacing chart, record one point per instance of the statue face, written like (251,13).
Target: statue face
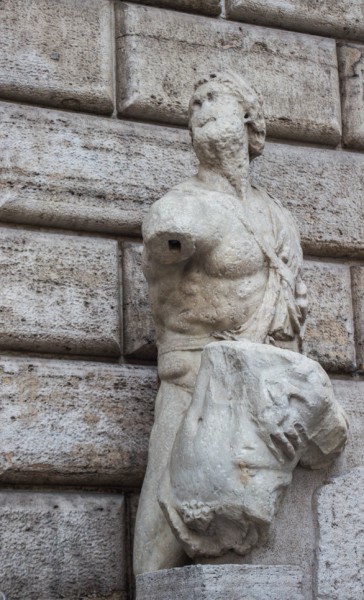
(217,122)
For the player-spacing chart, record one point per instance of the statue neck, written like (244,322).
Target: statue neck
(232,179)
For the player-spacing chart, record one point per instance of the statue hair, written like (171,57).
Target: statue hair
(251,105)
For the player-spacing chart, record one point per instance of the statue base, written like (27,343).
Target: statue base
(220,582)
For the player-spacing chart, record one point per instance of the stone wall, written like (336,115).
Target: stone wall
(93,102)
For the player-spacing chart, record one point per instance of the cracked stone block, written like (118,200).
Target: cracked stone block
(59,293)
(62,545)
(329,335)
(351,63)
(161,54)
(57,53)
(74,422)
(340,19)
(357,277)
(340,547)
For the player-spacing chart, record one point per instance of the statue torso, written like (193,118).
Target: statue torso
(219,287)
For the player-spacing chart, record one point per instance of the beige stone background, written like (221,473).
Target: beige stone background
(93,102)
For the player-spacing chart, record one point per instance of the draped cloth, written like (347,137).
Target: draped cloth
(256,411)
(281,314)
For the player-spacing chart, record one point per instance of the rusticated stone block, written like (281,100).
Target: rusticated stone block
(323,189)
(340,514)
(357,277)
(57,53)
(161,54)
(137,163)
(329,336)
(58,293)
(83,172)
(74,422)
(62,546)
(208,7)
(350,394)
(351,62)
(341,19)
(213,582)
(139,333)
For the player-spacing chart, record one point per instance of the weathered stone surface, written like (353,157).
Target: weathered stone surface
(74,422)
(323,189)
(57,53)
(291,538)
(351,62)
(341,19)
(161,55)
(357,278)
(340,550)
(83,172)
(213,582)
(350,394)
(139,333)
(208,7)
(293,533)
(132,501)
(329,335)
(62,546)
(58,293)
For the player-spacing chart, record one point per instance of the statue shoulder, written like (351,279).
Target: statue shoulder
(282,219)
(185,189)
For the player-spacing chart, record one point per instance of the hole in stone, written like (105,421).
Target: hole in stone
(174,245)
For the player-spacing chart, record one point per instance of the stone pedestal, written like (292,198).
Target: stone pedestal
(222,582)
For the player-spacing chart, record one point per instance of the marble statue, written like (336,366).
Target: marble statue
(238,406)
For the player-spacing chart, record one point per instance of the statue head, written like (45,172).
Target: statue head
(225,113)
